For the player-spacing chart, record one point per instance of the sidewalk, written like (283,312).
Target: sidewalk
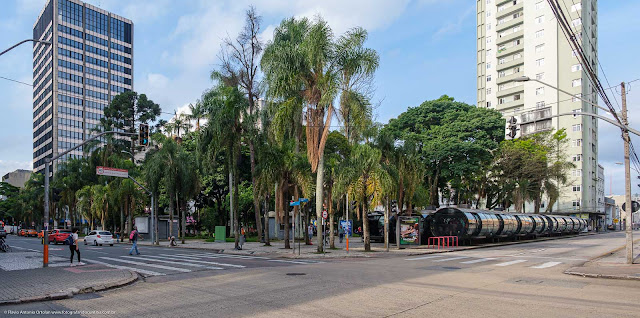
(23,282)
(356,248)
(612,264)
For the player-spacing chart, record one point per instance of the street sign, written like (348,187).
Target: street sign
(615,220)
(325,214)
(113,172)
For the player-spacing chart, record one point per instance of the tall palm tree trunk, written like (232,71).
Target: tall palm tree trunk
(319,198)
(365,219)
(171,207)
(256,198)
(121,223)
(267,242)
(285,209)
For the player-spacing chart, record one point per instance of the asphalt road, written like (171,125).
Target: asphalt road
(152,261)
(523,280)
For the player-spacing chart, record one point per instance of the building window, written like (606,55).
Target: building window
(540,90)
(516,97)
(576,82)
(488,39)
(489,53)
(540,62)
(540,76)
(576,97)
(540,104)
(488,65)
(577,173)
(540,19)
(488,14)
(576,203)
(576,67)
(539,48)
(539,5)
(575,112)
(488,104)
(576,7)
(488,91)
(576,22)
(576,188)
(488,26)
(577,127)
(539,33)
(577,157)
(576,143)
(488,78)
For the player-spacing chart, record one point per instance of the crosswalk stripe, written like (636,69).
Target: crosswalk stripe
(196,260)
(547,265)
(477,260)
(450,259)
(141,271)
(294,262)
(424,257)
(184,270)
(511,262)
(183,263)
(216,255)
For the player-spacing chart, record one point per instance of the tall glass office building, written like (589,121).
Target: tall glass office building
(89,62)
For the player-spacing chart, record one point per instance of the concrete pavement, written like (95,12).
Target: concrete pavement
(612,264)
(525,280)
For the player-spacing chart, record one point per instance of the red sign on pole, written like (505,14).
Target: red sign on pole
(113,172)
(325,214)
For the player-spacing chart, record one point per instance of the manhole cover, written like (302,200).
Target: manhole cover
(296,274)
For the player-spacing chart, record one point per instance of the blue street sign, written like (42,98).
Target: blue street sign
(294,203)
(304,200)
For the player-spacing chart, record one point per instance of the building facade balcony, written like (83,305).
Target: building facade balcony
(510,37)
(509,50)
(510,91)
(512,104)
(510,64)
(508,78)
(510,10)
(509,24)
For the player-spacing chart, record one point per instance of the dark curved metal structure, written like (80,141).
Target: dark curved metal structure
(468,224)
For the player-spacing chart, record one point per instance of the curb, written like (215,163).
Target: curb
(70,292)
(621,277)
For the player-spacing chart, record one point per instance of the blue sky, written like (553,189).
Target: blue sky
(427,49)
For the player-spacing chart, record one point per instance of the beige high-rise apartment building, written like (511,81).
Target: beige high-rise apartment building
(522,38)
(89,62)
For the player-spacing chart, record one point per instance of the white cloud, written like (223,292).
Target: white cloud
(454,26)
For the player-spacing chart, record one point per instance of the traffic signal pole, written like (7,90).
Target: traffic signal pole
(47,162)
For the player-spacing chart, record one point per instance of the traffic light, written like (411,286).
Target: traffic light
(394,205)
(144,134)
(512,127)
(55,195)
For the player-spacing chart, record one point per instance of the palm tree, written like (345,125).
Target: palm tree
(357,66)
(367,181)
(197,113)
(299,66)
(226,107)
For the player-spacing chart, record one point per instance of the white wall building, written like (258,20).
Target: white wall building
(522,38)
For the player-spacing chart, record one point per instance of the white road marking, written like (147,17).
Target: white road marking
(194,260)
(184,270)
(511,262)
(141,271)
(423,257)
(547,265)
(214,255)
(450,259)
(478,260)
(184,262)
(294,262)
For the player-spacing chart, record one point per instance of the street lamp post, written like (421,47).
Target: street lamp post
(624,126)
(24,41)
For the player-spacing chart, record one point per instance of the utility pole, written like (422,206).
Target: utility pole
(627,179)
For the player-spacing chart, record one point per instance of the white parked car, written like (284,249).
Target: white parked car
(99,238)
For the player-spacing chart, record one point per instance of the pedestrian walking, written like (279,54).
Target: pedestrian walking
(242,237)
(133,236)
(310,232)
(74,247)
(340,233)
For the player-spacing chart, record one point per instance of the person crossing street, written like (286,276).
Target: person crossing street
(133,236)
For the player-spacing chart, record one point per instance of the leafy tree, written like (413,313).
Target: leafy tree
(453,139)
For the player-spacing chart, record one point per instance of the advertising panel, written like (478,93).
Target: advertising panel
(409,230)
